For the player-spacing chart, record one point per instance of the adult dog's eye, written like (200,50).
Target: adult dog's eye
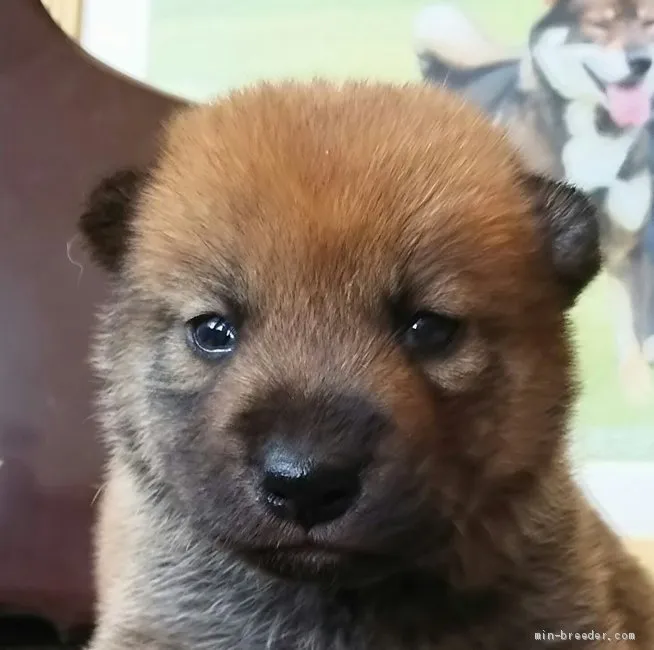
(211,335)
(601,24)
(431,334)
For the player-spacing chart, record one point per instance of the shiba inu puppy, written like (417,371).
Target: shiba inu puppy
(337,380)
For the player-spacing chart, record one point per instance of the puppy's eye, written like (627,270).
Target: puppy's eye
(431,334)
(211,335)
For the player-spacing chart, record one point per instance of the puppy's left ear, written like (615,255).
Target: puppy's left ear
(106,224)
(569,226)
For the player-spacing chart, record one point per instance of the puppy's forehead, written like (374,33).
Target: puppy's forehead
(294,181)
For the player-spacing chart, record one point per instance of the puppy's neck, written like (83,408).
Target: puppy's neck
(406,612)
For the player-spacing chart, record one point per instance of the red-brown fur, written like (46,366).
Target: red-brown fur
(310,208)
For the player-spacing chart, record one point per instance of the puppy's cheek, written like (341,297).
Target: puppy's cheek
(460,373)
(181,369)
(200,463)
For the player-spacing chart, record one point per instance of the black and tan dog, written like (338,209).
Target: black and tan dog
(578,101)
(337,384)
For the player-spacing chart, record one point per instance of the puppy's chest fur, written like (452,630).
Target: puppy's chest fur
(187,595)
(211,601)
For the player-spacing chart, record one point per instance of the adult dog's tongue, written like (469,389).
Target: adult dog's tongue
(628,106)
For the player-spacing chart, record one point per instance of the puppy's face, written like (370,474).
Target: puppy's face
(337,341)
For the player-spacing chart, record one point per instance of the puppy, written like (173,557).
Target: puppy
(337,386)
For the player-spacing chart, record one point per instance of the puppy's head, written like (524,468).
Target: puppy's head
(337,340)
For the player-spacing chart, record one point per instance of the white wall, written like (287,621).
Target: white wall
(117,33)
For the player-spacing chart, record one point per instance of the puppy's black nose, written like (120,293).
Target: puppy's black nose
(307,493)
(639,63)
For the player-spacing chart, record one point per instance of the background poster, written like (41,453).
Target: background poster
(597,63)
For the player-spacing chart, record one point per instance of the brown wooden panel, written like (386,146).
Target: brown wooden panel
(65,121)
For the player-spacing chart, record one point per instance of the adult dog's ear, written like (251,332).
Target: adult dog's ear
(106,223)
(568,224)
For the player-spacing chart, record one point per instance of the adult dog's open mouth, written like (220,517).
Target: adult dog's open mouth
(628,102)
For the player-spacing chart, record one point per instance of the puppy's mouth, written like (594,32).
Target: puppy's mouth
(319,563)
(628,101)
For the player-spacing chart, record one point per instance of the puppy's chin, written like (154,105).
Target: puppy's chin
(322,565)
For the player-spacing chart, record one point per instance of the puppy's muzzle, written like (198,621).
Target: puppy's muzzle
(309,455)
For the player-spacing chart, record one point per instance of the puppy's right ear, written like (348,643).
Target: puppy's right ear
(106,224)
